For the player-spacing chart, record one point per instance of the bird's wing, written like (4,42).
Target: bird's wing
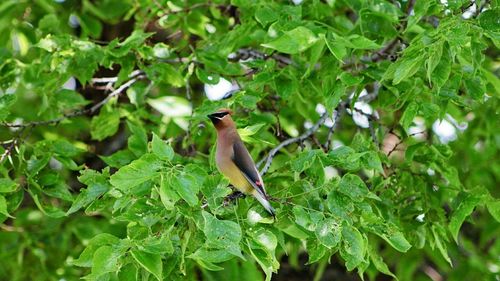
(244,162)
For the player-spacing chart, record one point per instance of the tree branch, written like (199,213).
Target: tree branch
(339,111)
(105,80)
(269,158)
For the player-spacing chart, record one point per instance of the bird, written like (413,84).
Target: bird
(234,161)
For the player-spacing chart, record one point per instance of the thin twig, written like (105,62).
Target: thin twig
(269,158)
(17,140)
(9,149)
(115,93)
(401,140)
(107,80)
(339,111)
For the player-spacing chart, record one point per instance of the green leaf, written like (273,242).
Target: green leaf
(489,20)
(205,257)
(408,116)
(304,160)
(248,131)
(475,87)
(353,247)
(137,172)
(6,101)
(262,247)
(379,263)
(294,41)
(7,185)
(171,106)
(328,233)
(222,234)
(156,245)
(105,260)
(135,40)
(151,262)
(119,158)
(443,69)
(352,186)
(187,187)
(350,80)
(439,239)
(316,251)
(395,238)
(102,239)
(67,99)
(97,185)
(212,78)
(3,207)
(35,165)
(90,25)
(362,43)
(161,148)
(371,160)
(105,124)
(494,208)
(265,15)
(407,68)
(434,58)
(336,46)
(334,95)
(138,141)
(466,204)
(166,73)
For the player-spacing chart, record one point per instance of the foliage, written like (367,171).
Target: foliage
(107,162)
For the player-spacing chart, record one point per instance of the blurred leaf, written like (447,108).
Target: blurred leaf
(105,124)
(7,185)
(294,41)
(465,205)
(3,207)
(138,141)
(165,73)
(171,106)
(408,116)
(265,15)
(494,208)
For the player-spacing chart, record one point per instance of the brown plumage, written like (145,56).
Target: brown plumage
(234,161)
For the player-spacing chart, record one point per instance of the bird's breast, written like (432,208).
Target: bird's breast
(227,167)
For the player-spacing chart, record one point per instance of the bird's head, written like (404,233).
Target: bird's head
(221,118)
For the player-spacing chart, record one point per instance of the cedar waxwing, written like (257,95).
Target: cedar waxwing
(234,161)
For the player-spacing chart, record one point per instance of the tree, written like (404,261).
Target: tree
(374,123)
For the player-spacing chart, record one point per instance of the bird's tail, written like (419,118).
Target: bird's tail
(264,202)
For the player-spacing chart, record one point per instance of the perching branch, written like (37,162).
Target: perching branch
(269,158)
(105,80)
(248,53)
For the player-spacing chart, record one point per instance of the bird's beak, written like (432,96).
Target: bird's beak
(213,118)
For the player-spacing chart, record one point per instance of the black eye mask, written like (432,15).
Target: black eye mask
(217,116)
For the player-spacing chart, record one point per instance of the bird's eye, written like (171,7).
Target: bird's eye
(220,114)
